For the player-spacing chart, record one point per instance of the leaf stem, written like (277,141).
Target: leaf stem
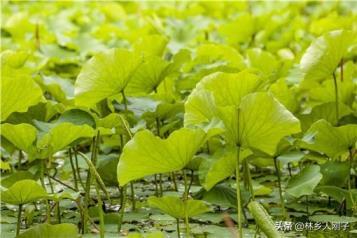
(19,220)
(73,169)
(132,193)
(185,198)
(178,228)
(336,96)
(282,202)
(122,206)
(100,212)
(239,202)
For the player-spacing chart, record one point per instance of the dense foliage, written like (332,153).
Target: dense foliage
(178,119)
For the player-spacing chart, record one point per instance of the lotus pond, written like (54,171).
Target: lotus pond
(156,119)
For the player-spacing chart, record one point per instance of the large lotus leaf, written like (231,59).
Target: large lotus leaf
(208,53)
(14,59)
(22,136)
(264,61)
(239,30)
(219,166)
(18,91)
(305,182)
(62,135)
(263,122)
(340,194)
(324,54)
(23,191)
(176,207)
(285,95)
(104,75)
(218,89)
(151,45)
(51,231)
(77,117)
(148,76)
(332,141)
(335,173)
(325,111)
(147,154)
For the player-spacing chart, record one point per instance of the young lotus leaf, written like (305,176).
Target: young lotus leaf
(62,135)
(18,92)
(51,231)
(22,192)
(305,182)
(176,207)
(218,89)
(325,111)
(151,45)
(147,154)
(105,75)
(22,136)
(324,54)
(148,76)
(332,141)
(218,167)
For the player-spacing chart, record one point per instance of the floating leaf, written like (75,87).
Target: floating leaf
(51,231)
(178,208)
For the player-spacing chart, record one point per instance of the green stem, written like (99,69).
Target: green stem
(173,178)
(178,228)
(282,202)
(58,212)
(100,212)
(73,169)
(19,220)
(122,207)
(336,97)
(249,179)
(350,180)
(160,185)
(239,202)
(132,190)
(48,212)
(78,169)
(156,186)
(89,177)
(185,198)
(125,102)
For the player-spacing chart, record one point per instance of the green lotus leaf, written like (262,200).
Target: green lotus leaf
(14,59)
(51,231)
(239,30)
(148,76)
(8,181)
(219,166)
(218,89)
(147,154)
(61,135)
(333,219)
(325,111)
(18,91)
(285,95)
(22,192)
(340,194)
(262,123)
(176,207)
(23,136)
(77,117)
(104,75)
(324,54)
(332,141)
(335,173)
(151,45)
(264,61)
(305,182)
